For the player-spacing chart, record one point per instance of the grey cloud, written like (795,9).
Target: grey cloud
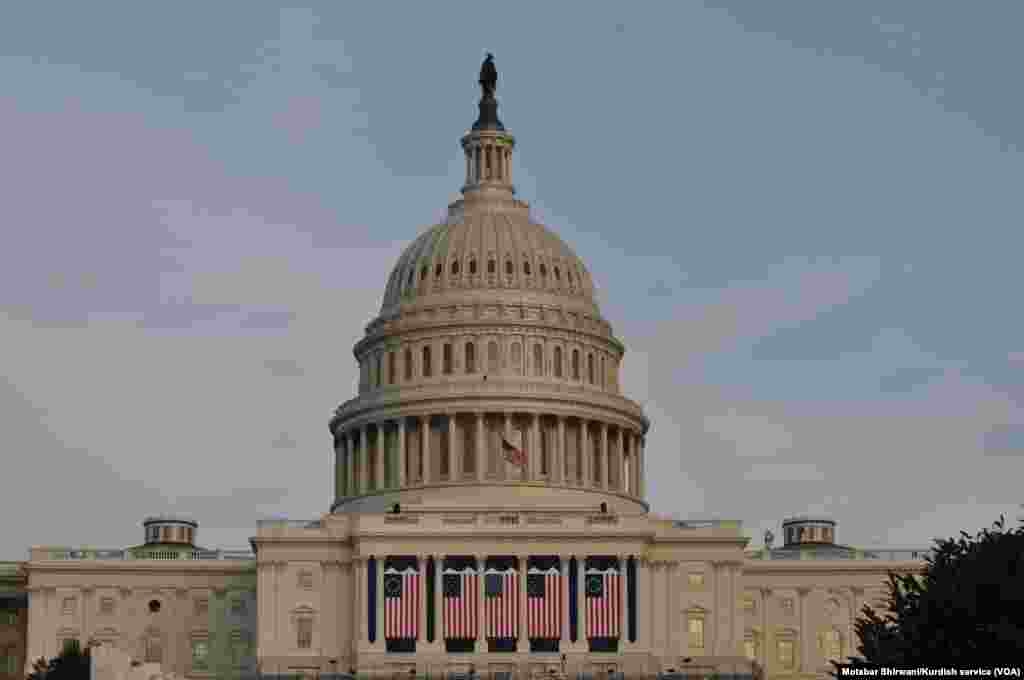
(906,379)
(1005,440)
(284,368)
(269,319)
(284,441)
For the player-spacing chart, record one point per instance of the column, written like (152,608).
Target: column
(421,625)
(523,645)
(581,605)
(425,447)
(339,467)
(672,636)
(585,453)
(533,465)
(643,601)
(642,462)
(603,456)
(508,436)
(481,633)
(481,446)
(454,459)
(563,571)
(381,452)
(359,610)
(438,602)
(655,603)
(350,464)
(364,460)
(806,641)
(558,465)
(401,460)
(766,594)
(624,594)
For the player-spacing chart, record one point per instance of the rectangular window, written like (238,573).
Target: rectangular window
(107,605)
(696,630)
(200,654)
(696,580)
(447,359)
(68,606)
(202,606)
(305,633)
(786,653)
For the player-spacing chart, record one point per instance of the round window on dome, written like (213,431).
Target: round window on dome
(154,606)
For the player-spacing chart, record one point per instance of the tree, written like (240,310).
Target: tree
(71,664)
(967,608)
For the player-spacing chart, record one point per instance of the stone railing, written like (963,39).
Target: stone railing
(139,554)
(707,524)
(898,555)
(514,522)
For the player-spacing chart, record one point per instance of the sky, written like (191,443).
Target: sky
(804,222)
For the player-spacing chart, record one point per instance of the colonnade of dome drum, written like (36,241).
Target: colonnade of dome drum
(467,447)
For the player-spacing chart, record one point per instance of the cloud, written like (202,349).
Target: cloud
(284,368)
(1004,440)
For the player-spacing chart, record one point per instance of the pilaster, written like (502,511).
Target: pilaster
(806,640)
(381,446)
(454,450)
(603,456)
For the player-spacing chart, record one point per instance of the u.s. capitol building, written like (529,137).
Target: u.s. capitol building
(488,510)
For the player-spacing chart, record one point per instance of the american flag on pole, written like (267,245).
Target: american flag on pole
(513,454)
(401,604)
(501,603)
(604,602)
(460,596)
(543,604)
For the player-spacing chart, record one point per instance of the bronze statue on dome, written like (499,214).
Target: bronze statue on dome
(488,77)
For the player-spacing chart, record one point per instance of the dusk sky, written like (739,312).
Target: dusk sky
(803,218)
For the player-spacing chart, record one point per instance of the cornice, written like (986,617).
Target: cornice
(213,567)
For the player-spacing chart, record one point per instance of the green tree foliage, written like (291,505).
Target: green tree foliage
(967,609)
(71,664)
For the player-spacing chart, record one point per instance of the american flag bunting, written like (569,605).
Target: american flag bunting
(401,604)
(501,603)
(603,603)
(543,604)
(459,600)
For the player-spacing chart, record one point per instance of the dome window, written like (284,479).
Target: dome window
(558,275)
(408,364)
(154,606)
(509,268)
(472,266)
(438,269)
(423,273)
(575,364)
(491,266)
(558,361)
(470,357)
(526,268)
(455,268)
(543,270)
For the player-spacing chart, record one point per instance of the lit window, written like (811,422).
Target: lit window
(200,654)
(695,626)
(696,580)
(304,628)
(831,645)
(786,655)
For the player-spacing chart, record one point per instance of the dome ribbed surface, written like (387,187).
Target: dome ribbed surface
(541,262)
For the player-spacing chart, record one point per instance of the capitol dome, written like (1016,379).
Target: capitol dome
(489,378)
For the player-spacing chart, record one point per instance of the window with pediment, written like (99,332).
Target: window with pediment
(695,628)
(304,632)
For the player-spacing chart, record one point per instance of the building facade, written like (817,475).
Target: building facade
(489,506)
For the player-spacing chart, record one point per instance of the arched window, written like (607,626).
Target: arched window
(492,357)
(538,360)
(604,374)
(526,268)
(472,266)
(408,364)
(423,273)
(575,364)
(391,368)
(517,357)
(543,270)
(426,362)
(508,267)
(447,358)
(558,362)
(558,276)
(470,357)
(590,368)
(455,267)
(491,265)
(437,270)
